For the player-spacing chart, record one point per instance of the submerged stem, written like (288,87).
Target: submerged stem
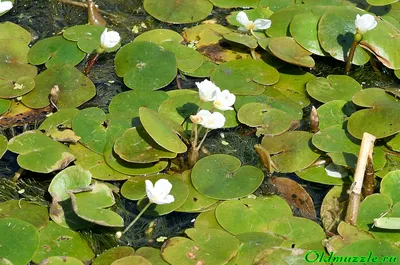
(202,140)
(137,217)
(357,39)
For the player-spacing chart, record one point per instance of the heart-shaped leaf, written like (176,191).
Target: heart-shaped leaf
(287,49)
(29,212)
(113,254)
(11,31)
(334,112)
(221,177)
(158,36)
(47,157)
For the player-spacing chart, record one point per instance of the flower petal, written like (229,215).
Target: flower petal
(242,18)
(162,187)
(262,24)
(5,6)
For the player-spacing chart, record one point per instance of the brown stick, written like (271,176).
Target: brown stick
(90,64)
(369,178)
(366,149)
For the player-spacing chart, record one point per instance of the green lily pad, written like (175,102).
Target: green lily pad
(15,231)
(113,254)
(136,146)
(29,212)
(207,220)
(47,157)
(381,249)
(177,12)
(156,126)
(222,177)
(138,63)
(318,174)
(11,31)
(209,246)
(276,5)
(75,88)
(158,36)
(96,128)
(303,29)
(393,143)
(187,59)
(61,211)
(334,112)
(287,49)
(291,151)
(252,14)
(381,41)
(137,260)
(127,168)
(95,163)
(151,254)
(246,40)
(336,31)
(19,87)
(4,261)
(55,51)
(87,37)
(283,256)
(252,244)
(250,215)
(62,119)
(196,202)
(380,119)
(267,120)
(184,102)
(93,205)
(235,3)
(204,70)
(296,230)
(179,190)
(245,76)
(390,185)
(292,84)
(381,2)
(334,206)
(5,104)
(333,87)
(61,260)
(128,103)
(3,145)
(59,241)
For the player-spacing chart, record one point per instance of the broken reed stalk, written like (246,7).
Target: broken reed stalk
(369,178)
(366,149)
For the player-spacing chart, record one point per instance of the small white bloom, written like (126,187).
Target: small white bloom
(365,23)
(250,25)
(336,171)
(209,120)
(5,6)
(109,39)
(224,100)
(118,235)
(159,194)
(207,90)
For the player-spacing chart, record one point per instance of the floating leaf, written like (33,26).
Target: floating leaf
(158,36)
(243,39)
(138,63)
(3,145)
(382,117)
(137,260)
(87,37)
(95,163)
(336,31)
(151,254)
(207,220)
(13,232)
(188,59)
(55,51)
(287,49)
(222,177)
(334,112)
(156,126)
(62,119)
(252,14)
(204,70)
(392,142)
(196,201)
(11,31)
(267,120)
(177,12)
(59,241)
(282,256)
(93,205)
(16,88)
(75,88)
(333,87)
(245,76)
(29,212)
(61,260)
(282,18)
(5,104)
(318,174)
(209,246)
(303,29)
(334,206)
(47,157)
(113,254)
(291,151)
(390,185)
(235,3)
(96,128)
(250,215)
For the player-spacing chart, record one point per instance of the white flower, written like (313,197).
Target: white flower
(336,171)
(207,90)
(365,23)
(109,39)
(250,25)
(209,120)
(159,194)
(224,100)
(5,6)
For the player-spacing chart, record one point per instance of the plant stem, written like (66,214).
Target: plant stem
(137,217)
(368,7)
(351,55)
(91,62)
(84,5)
(202,140)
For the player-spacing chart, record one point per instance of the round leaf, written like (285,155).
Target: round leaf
(158,36)
(151,254)
(287,49)
(188,59)
(11,31)
(3,145)
(318,174)
(390,185)
(63,260)
(113,254)
(334,112)
(137,260)
(5,104)
(29,212)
